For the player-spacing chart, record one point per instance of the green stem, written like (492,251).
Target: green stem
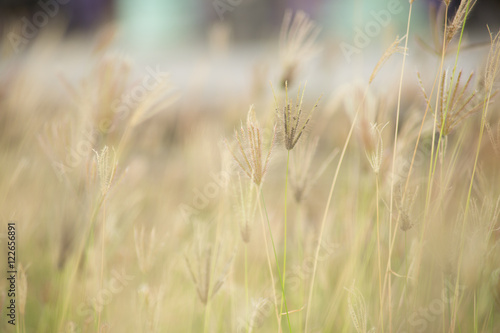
(284,251)
(246,287)
(277,264)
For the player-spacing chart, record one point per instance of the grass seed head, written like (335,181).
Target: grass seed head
(293,119)
(250,155)
(456,23)
(455,102)
(493,62)
(297,43)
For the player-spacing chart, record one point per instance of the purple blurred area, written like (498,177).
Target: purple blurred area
(87,14)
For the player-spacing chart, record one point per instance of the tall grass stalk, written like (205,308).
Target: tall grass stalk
(275,257)
(396,126)
(103,236)
(379,254)
(486,103)
(325,214)
(284,251)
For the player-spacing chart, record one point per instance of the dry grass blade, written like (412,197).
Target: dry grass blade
(392,49)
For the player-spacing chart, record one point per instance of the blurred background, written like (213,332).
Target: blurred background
(156,23)
(169,21)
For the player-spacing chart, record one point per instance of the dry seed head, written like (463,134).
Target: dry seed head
(455,103)
(144,248)
(297,42)
(392,49)
(250,154)
(456,24)
(293,119)
(375,156)
(494,136)
(357,309)
(493,62)
(404,204)
(106,168)
(207,261)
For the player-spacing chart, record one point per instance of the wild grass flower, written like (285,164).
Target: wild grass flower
(145,248)
(357,309)
(293,119)
(250,157)
(404,204)
(493,62)
(456,23)
(207,261)
(455,103)
(375,150)
(297,43)
(106,166)
(150,305)
(494,135)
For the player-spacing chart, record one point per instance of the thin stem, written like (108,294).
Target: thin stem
(103,231)
(467,206)
(379,255)
(284,251)
(394,161)
(246,288)
(276,258)
(325,214)
(278,315)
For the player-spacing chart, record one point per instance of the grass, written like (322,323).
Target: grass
(381,209)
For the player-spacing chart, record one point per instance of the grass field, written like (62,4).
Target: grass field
(290,206)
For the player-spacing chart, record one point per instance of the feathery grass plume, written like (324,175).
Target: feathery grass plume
(301,177)
(493,62)
(455,103)
(357,309)
(204,264)
(259,311)
(297,43)
(144,248)
(494,136)
(485,216)
(375,150)
(456,23)
(106,168)
(404,204)
(150,304)
(392,49)
(293,125)
(250,158)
